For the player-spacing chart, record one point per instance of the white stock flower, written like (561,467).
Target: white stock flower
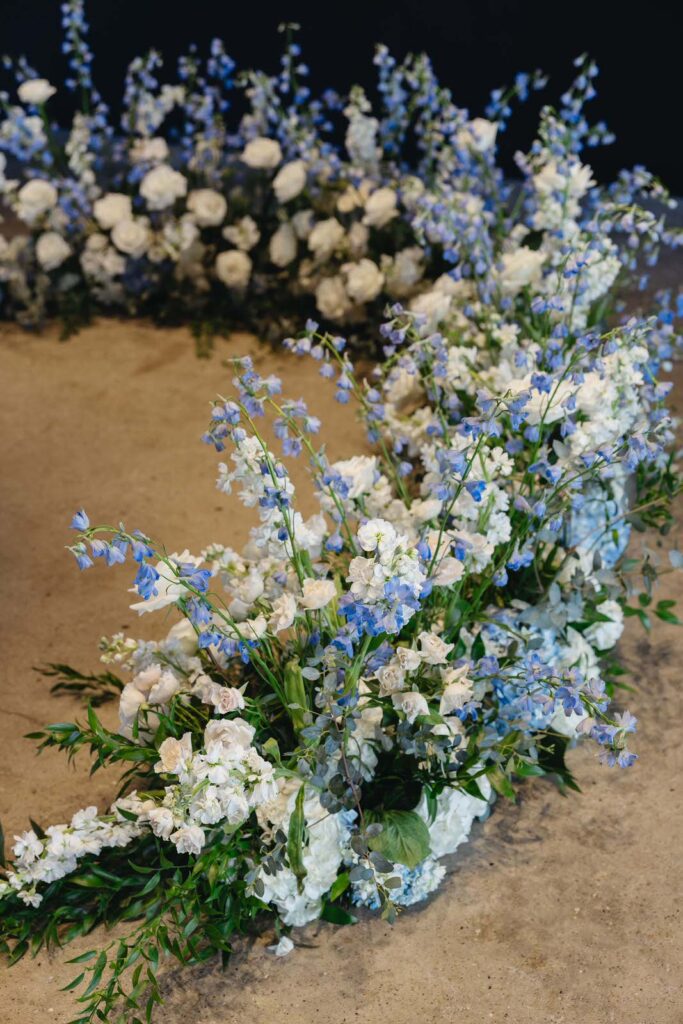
(35,198)
(289,181)
(35,91)
(208,207)
(112,208)
(233,268)
(317,593)
(283,245)
(161,186)
(132,237)
(52,250)
(364,280)
(380,208)
(189,839)
(262,153)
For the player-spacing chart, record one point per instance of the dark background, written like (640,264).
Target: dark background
(475,45)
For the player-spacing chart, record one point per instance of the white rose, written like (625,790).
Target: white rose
(131,237)
(380,208)
(364,280)
(283,246)
(325,237)
(519,269)
(391,679)
(262,153)
(233,268)
(52,250)
(112,208)
(174,754)
(36,197)
(161,186)
(164,689)
(290,181)
(244,234)
(149,151)
(411,704)
(455,696)
(317,593)
(207,206)
(433,649)
(284,610)
(331,298)
(226,699)
(36,91)
(408,659)
(234,734)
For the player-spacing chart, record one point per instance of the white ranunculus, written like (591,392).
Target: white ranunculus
(380,208)
(317,593)
(35,91)
(449,571)
(364,280)
(283,246)
(35,198)
(262,153)
(244,234)
(289,181)
(331,298)
(325,237)
(111,208)
(52,250)
(149,151)
(233,268)
(161,186)
(131,237)
(208,207)
(520,268)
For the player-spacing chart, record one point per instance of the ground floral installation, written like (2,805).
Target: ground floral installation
(227,198)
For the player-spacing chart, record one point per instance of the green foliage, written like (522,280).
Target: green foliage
(404,838)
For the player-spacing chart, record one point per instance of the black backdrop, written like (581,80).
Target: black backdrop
(475,45)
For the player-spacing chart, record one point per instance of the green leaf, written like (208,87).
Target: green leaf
(501,783)
(295,838)
(340,885)
(335,914)
(404,838)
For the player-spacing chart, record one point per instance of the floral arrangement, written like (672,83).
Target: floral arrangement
(320,202)
(337,704)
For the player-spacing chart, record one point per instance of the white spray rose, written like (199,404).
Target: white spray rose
(52,250)
(112,208)
(36,91)
(433,649)
(207,207)
(36,197)
(331,298)
(411,703)
(325,237)
(131,237)
(364,280)
(289,181)
(233,268)
(317,593)
(262,153)
(161,186)
(380,208)
(283,246)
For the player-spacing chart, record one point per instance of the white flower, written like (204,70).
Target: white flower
(449,571)
(325,237)
(380,208)
(161,186)
(290,181)
(36,91)
(479,135)
(457,691)
(234,734)
(364,280)
(284,610)
(174,755)
(132,237)
(331,298)
(149,151)
(454,816)
(244,234)
(283,947)
(262,153)
(317,593)
(411,704)
(391,678)
(604,635)
(207,207)
(226,699)
(359,473)
(112,208)
(52,250)
(283,246)
(377,533)
(35,198)
(433,649)
(189,839)
(520,268)
(302,222)
(233,268)
(162,822)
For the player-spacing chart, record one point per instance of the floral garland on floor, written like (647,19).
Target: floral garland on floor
(174,213)
(338,703)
